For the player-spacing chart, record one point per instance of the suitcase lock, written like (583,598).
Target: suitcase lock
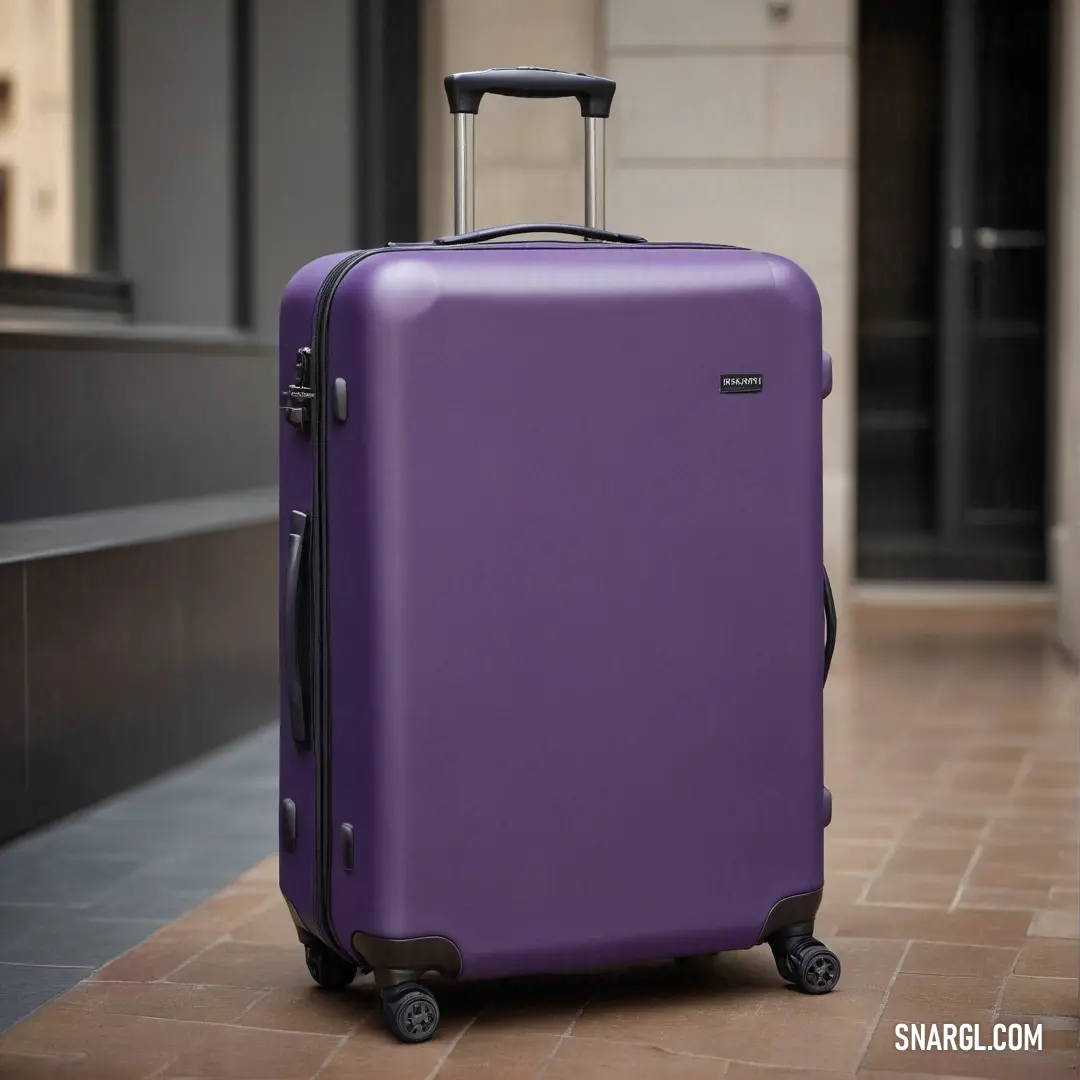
(296,400)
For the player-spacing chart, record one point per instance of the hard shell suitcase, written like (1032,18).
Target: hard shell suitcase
(551,581)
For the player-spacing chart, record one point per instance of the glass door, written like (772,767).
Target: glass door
(953,261)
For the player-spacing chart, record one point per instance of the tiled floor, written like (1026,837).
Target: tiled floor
(951,897)
(75,896)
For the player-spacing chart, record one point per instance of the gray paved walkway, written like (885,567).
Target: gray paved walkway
(78,894)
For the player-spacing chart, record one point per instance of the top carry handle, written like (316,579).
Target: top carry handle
(464,92)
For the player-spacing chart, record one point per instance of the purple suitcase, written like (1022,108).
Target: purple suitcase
(551,578)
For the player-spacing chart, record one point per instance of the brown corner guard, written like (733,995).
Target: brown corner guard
(302,932)
(409,954)
(792,910)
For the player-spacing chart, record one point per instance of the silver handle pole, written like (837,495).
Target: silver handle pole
(464,173)
(595,210)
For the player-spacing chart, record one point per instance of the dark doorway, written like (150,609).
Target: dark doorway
(953,201)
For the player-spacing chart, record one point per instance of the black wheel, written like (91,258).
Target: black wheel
(411,1012)
(783,967)
(816,969)
(327,969)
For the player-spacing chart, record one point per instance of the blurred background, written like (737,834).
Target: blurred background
(166,165)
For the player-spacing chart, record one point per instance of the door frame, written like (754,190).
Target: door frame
(954,551)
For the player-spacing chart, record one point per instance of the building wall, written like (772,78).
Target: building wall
(728,125)
(36,138)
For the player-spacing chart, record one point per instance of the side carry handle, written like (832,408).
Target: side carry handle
(294,658)
(830,626)
(464,92)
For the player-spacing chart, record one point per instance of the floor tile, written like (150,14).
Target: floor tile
(24,988)
(64,938)
(157,957)
(233,963)
(66,879)
(981,896)
(859,856)
(1055,924)
(47,1066)
(164,1001)
(1050,958)
(217,1051)
(1058,1032)
(488,1050)
(377,1058)
(588,1059)
(1039,996)
(953,860)
(976,961)
(968,926)
(304,1007)
(923,998)
(270,924)
(920,890)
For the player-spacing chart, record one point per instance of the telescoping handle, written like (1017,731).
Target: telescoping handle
(464,92)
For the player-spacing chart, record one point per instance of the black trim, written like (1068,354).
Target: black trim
(71,292)
(106,224)
(387,154)
(414,955)
(791,911)
(243,154)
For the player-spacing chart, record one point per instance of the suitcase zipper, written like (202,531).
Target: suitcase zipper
(317,364)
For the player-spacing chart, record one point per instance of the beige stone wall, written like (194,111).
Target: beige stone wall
(735,127)
(1065,538)
(529,154)
(727,126)
(36,144)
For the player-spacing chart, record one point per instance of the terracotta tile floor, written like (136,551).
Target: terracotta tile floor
(951,897)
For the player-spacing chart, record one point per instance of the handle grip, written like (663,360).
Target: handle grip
(293,649)
(465,90)
(584,231)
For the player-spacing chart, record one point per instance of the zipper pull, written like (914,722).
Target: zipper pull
(296,400)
